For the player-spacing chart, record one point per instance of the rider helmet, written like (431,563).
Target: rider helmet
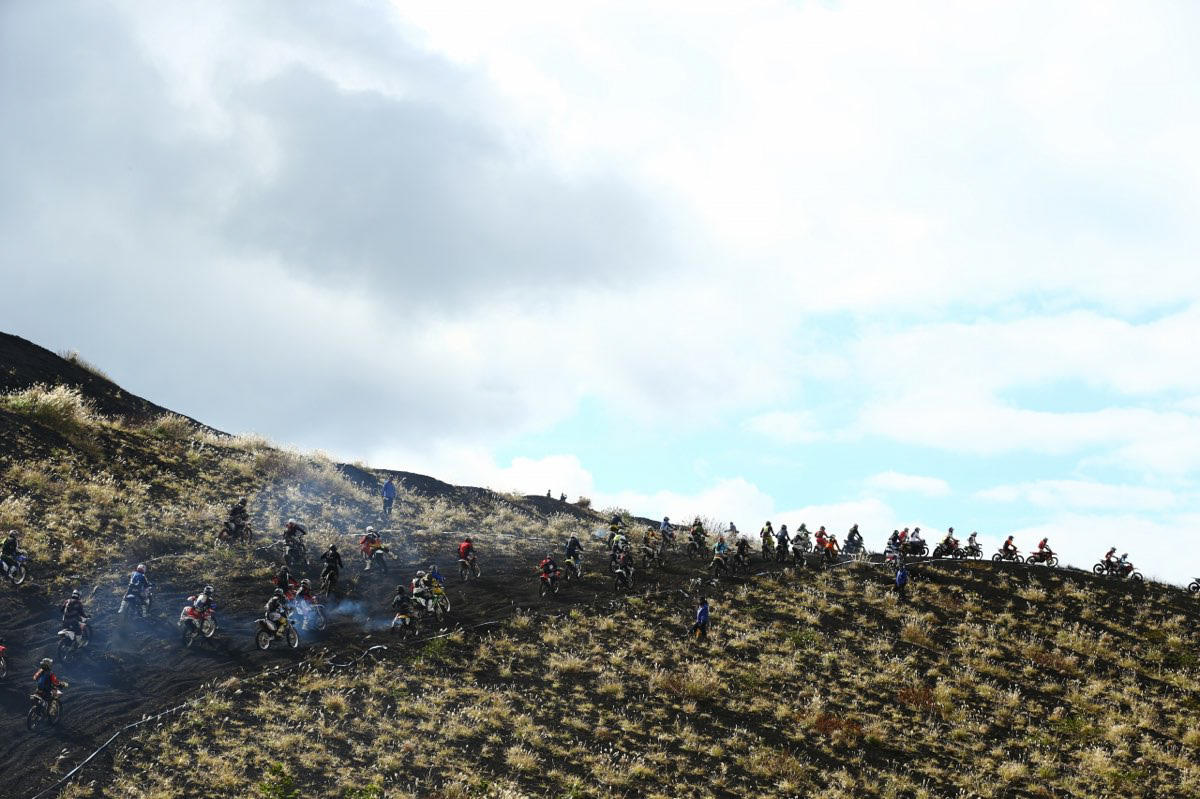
(420,574)
(75,594)
(12,533)
(468,540)
(432,568)
(370,529)
(333,547)
(278,592)
(46,663)
(305,583)
(291,522)
(208,589)
(141,568)
(1124,555)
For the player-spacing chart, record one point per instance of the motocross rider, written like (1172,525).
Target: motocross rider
(74,616)
(574,548)
(333,563)
(293,534)
(304,592)
(203,603)
(239,516)
(548,567)
(973,542)
(277,609)
(1009,548)
(8,552)
(46,680)
(1110,558)
(466,549)
(743,549)
(666,530)
(139,583)
(369,544)
(421,590)
(781,540)
(1043,550)
(950,543)
(283,579)
(854,538)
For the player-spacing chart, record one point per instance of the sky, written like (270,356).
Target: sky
(897,264)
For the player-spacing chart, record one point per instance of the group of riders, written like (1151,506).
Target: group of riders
(293,599)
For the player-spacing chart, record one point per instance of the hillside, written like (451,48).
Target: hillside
(994,681)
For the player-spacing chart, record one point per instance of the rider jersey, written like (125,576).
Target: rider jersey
(465,549)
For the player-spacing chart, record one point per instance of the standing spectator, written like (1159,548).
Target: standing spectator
(700,628)
(389,496)
(902,583)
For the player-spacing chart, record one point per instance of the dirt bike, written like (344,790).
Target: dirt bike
(435,603)
(768,549)
(468,568)
(406,624)
(42,710)
(1115,569)
(196,623)
(548,583)
(70,642)
(18,570)
(651,556)
(295,555)
(231,532)
(853,546)
(135,602)
(781,553)
(269,631)
(799,550)
(1013,556)
(379,558)
(623,579)
(971,551)
(1193,588)
(696,549)
(741,561)
(915,549)
(329,582)
(311,613)
(571,569)
(719,566)
(944,550)
(1045,557)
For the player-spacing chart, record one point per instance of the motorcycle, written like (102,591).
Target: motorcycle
(379,558)
(468,569)
(944,550)
(269,631)
(741,561)
(623,579)
(1193,588)
(43,710)
(853,546)
(406,625)
(781,553)
(1115,569)
(311,613)
(1046,557)
(571,569)
(916,549)
(1013,556)
(329,582)
(295,554)
(70,642)
(650,556)
(800,549)
(19,569)
(971,551)
(231,532)
(135,602)
(196,623)
(696,548)
(549,582)
(768,549)
(435,603)
(719,566)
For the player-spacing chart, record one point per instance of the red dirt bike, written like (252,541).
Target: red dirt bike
(1014,556)
(196,623)
(1044,556)
(1116,569)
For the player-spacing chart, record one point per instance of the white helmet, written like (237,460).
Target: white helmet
(370,529)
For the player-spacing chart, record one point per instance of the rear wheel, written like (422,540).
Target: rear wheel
(1193,587)
(1098,569)
(544,588)
(34,716)
(262,639)
(997,558)
(290,635)
(189,634)
(320,621)
(1137,577)
(3,668)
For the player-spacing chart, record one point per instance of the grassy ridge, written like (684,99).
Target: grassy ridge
(993,685)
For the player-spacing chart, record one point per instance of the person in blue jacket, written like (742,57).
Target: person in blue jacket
(700,628)
(902,583)
(139,583)
(389,495)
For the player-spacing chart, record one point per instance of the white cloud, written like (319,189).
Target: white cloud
(908,484)
(788,427)
(1083,494)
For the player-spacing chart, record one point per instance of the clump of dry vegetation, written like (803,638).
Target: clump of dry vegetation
(858,696)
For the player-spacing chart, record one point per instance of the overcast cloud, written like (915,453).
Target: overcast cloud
(878,262)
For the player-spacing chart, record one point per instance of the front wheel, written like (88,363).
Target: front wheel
(1053,562)
(208,627)
(18,574)
(1193,588)
(3,668)
(1137,577)
(34,717)
(544,588)
(292,638)
(1099,569)
(262,639)
(189,634)
(65,648)
(320,621)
